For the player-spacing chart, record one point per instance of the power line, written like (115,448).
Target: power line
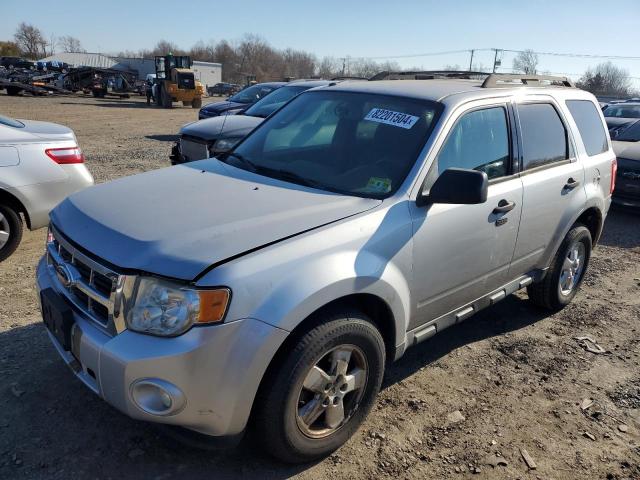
(430,54)
(556,54)
(578,55)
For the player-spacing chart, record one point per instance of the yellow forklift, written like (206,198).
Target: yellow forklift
(175,82)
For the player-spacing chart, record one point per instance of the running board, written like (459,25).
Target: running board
(428,330)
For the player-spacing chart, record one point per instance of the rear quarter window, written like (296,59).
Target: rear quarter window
(589,125)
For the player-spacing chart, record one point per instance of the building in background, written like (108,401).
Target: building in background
(207,73)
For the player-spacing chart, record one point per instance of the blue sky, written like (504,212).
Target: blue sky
(355,28)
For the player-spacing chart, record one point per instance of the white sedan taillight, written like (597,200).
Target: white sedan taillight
(614,172)
(64,156)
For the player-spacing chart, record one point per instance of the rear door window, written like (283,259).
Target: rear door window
(589,125)
(544,136)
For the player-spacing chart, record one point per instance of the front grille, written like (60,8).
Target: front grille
(193,150)
(88,284)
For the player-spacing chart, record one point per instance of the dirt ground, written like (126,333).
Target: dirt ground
(462,405)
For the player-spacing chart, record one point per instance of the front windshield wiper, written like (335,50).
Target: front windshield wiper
(278,173)
(291,176)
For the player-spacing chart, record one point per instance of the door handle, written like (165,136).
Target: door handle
(504,206)
(571,184)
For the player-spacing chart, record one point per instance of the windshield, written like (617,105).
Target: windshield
(269,104)
(252,94)
(10,122)
(630,133)
(622,111)
(350,143)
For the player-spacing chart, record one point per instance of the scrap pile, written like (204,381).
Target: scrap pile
(46,78)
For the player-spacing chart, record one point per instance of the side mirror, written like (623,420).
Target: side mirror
(457,186)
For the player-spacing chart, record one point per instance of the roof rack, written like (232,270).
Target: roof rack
(347,77)
(428,75)
(496,80)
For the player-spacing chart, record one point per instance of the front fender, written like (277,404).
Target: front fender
(328,279)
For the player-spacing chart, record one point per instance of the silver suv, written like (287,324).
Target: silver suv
(269,287)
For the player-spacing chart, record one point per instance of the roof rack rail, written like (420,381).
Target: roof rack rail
(496,80)
(349,77)
(428,75)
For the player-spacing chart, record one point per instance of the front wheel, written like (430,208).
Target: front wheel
(321,392)
(562,281)
(10,231)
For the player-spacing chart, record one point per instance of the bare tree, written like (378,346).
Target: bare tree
(70,44)
(9,49)
(329,67)
(606,79)
(526,62)
(30,40)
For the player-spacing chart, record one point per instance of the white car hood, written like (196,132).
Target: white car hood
(179,221)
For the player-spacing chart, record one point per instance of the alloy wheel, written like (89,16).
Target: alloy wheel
(331,391)
(5,230)
(572,268)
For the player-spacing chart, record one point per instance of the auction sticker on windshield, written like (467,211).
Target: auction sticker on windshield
(389,117)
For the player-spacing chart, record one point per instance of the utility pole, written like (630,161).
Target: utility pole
(496,62)
(471,61)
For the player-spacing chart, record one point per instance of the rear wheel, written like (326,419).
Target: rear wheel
(562,281)
(197,103)
(186,103)
(13,91)
(321,392)
(10,231)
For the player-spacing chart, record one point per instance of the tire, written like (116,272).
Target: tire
(562,281)
(13,91)
(10,231)
(186,103)
(197,103)
(282,400)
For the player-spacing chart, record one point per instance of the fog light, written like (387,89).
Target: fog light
(157,397)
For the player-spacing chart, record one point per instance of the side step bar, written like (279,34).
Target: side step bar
(423,332)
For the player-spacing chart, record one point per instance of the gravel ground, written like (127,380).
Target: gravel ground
(465,404)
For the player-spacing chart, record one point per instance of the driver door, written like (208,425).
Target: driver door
(462,252)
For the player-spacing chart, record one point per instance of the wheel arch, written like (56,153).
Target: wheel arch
(592,218)
(14,202)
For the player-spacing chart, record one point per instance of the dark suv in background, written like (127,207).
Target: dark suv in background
(626,144)
(213,136)
(240,101)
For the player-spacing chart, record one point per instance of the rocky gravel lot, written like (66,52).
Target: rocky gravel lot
(509,394)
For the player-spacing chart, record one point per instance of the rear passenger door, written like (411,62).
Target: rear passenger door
(552,180)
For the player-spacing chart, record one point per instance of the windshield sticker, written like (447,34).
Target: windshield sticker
(389,117)
(378,185)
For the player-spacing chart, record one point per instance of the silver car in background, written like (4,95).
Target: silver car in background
(40,165)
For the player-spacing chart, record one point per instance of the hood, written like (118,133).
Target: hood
(628,150)
(180,220)
(228,126)
(47,131)
(219,107)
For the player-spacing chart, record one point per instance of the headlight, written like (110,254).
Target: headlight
(163,308)
(225,144)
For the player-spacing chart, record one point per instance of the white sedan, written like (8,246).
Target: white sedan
(40,165)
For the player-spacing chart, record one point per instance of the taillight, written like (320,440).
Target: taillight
(64,156)
(614,172)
